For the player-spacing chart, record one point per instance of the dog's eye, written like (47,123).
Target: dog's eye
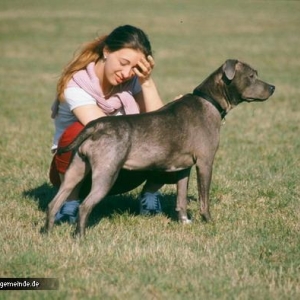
(252,76)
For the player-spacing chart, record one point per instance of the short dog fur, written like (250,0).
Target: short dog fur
(183,133)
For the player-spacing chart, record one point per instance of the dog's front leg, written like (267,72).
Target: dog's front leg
(182,191)
(204,175)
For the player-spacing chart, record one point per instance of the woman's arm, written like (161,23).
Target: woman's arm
(148,99)
(87,113)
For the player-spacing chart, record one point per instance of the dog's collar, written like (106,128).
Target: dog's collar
(221,110)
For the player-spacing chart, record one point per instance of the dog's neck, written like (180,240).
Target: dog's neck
(211,100)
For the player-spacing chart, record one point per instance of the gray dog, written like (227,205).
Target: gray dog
(183,133)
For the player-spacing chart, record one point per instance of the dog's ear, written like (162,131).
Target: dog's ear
(229,68)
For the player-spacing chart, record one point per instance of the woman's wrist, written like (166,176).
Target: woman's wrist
(147,83)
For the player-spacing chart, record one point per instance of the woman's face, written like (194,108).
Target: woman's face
(119,65)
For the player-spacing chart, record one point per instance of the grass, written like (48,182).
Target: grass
(251,251)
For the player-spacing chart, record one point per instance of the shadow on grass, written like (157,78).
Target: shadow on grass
(108,207)
(126,203)
(42,194)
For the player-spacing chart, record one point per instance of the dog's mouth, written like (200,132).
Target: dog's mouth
(261,95)
(255,99)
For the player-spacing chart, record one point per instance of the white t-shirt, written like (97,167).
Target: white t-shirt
(76,97)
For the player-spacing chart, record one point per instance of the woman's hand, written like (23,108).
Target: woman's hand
(144,68)
(177,97)
(148,99)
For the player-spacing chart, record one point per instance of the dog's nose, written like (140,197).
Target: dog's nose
(272,89)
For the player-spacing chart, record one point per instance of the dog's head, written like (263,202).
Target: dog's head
(243,83)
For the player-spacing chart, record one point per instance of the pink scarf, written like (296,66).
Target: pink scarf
(88,81)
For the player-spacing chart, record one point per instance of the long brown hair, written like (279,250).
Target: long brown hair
(126,36)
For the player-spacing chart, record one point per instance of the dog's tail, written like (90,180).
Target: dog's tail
(81,137)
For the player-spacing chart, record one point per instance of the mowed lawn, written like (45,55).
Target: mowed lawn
(251,250)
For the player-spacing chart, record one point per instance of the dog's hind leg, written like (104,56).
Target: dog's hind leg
(73,176)
(182,191)
(102,181)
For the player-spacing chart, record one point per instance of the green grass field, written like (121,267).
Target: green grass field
(251,251)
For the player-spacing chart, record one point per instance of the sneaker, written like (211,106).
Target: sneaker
(68,212)
(150,203)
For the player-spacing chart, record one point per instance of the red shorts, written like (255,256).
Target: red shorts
(61,162)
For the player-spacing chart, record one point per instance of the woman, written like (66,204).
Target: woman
(110,76)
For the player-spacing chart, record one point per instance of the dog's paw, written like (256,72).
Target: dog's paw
(186,220)
(206,217)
